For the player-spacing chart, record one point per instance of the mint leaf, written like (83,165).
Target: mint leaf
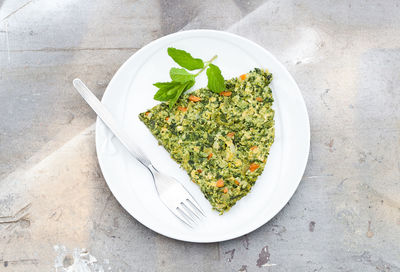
(184,59)
(171,91)
(166,91)
(179,91)
(216,82)
(180,75)
(164,84)
(161,95)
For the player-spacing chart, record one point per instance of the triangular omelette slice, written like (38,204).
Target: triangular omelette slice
(221,140)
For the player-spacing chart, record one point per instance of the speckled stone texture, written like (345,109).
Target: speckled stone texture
(56,211)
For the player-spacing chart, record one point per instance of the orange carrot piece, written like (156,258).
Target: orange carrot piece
(183,109)
(243,77)
(253,148)
(210,156)
(259,99)
(220,183)
(225,190)
(199,170)
(194,98)
(253,167)
(230,134)
(147,113)
(236,182)
(166,118)
(225,93)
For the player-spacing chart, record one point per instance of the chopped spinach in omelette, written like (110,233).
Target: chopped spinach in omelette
(221,140)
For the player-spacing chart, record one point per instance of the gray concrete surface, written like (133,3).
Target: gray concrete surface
(55,206)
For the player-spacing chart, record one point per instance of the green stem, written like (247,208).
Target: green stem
(207,64)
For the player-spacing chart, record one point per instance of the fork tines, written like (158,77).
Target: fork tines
(189,212)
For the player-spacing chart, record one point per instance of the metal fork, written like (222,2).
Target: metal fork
(177,199)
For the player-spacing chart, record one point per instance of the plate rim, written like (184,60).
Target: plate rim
(295,185)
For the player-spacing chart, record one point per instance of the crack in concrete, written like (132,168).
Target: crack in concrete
(7,42)
(18,216)
(105,206)
(15,11)
(231,254)
(21,261)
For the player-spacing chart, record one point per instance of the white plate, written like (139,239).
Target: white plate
(131,92)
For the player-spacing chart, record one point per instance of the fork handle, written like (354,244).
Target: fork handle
(110,122)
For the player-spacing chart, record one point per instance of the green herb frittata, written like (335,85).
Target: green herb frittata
(221,140)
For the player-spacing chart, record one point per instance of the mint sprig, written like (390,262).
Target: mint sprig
(182,80)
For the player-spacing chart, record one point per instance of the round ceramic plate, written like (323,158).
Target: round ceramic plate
(131,92)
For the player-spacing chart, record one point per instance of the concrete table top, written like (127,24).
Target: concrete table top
(56,211)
